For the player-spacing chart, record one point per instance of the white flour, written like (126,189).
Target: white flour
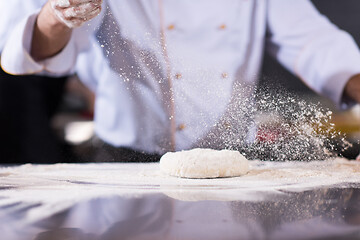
(57,187)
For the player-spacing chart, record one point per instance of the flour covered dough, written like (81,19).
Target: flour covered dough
(204,163)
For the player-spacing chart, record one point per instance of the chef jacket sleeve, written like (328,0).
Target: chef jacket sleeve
(11,12)
(16,58)
(311,47)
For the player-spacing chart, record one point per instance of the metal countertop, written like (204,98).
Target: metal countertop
(275,200)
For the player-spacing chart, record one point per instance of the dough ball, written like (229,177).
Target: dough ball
(204,163)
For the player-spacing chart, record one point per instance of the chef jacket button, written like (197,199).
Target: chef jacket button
(226,125)
(222,27)
(178,76)
(171,27)
(181,127)
(224,75)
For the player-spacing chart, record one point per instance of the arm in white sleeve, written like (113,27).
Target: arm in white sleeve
(12,12)
(311,47)
(16,58)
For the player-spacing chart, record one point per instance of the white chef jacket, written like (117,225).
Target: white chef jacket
(11,12)
(164,71)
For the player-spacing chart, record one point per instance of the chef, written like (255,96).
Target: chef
(165,71)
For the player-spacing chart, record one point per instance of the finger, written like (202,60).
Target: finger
(79,21)
(60,3)
(68,3)
(78,2)
(89,16)
(79,11)
(74,23)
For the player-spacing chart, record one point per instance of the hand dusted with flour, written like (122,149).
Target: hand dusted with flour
(204,163)
(74,13)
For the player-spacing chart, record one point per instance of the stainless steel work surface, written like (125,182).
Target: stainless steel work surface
(275,200)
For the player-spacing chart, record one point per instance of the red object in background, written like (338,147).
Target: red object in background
(87,115)
(269,135)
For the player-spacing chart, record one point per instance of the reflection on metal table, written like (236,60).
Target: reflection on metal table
(113,201)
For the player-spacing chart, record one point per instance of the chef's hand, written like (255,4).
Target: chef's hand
(74,13)
(352,91)
(54,24)
(352,88)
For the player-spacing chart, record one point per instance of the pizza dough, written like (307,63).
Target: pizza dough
(204,163)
